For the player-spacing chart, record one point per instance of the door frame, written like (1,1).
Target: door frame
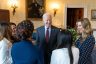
(73,6)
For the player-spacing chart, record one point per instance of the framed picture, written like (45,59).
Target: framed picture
(35,9)
(93,14)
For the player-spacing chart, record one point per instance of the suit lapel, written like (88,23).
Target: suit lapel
(43,32)
(51,34)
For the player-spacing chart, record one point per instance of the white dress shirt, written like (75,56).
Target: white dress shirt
(61,56)
(5,54)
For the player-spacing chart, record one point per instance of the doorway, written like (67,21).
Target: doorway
(73,14)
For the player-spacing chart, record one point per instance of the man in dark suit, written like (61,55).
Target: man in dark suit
(47,37)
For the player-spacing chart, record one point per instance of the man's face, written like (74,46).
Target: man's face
(47,21)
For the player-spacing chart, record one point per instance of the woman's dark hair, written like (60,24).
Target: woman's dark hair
(11,23)
(64,40)
(24,30)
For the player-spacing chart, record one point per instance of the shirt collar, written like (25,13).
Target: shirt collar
(46,28)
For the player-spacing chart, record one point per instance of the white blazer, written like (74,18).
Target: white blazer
(5,52)
(61,56)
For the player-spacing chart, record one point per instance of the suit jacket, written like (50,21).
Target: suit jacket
(24,52)
(41,42)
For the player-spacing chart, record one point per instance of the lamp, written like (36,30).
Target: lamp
(55,7)
(13,5)
(55,10)
(14,9)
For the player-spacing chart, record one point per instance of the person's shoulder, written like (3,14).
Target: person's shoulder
(22,45)
(16,43)
(19,43)
(55,28)
(15,46)
(61,50)
(91,36)
(4,42)
(39,28)
(60,53)
(56,50)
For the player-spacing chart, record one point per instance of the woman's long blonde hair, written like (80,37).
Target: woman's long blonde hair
(87,27)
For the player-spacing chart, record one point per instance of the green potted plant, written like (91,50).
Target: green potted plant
(74,34)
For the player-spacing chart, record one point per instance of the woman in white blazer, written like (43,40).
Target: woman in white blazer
(5,44)
(65,53)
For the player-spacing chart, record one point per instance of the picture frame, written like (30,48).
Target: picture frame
(93,14)
(35,9)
